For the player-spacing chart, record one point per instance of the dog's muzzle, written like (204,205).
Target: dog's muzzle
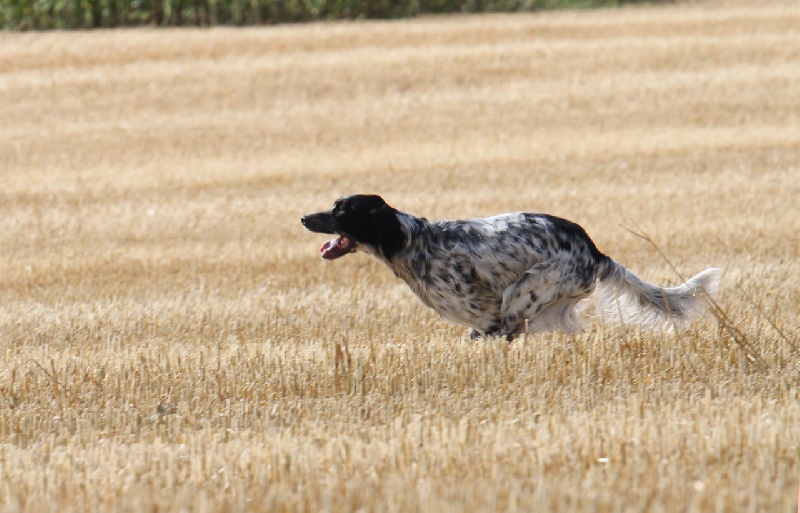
(320,222)
(323,222)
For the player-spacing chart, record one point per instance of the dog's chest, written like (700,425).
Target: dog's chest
(453,290)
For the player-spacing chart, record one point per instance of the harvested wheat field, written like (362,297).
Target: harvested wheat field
(170,339)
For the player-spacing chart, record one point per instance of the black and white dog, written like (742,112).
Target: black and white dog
(506,274)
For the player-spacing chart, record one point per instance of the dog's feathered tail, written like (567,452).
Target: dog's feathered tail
(625,297)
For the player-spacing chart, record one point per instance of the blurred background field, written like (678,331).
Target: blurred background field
(170,339)
(72,14)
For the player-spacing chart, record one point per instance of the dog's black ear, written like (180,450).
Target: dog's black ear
(391,237)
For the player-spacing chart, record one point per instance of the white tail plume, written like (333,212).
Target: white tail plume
(625,297)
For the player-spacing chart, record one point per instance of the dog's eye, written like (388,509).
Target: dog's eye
(342,208)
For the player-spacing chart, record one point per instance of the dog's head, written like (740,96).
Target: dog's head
(360,221)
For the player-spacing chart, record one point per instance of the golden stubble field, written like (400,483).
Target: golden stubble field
(170,340)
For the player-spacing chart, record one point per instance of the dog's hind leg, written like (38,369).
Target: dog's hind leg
(476,334)
(544,299)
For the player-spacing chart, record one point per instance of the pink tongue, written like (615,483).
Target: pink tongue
(336,248)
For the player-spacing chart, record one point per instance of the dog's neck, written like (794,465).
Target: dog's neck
(404,259)
(412,226)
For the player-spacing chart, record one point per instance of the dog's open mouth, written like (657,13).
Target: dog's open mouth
(336,248)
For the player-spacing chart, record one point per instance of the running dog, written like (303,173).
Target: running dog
(503,275)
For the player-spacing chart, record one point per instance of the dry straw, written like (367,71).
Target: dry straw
(170,340)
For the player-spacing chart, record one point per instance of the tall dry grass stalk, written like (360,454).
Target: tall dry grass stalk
(170,340)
